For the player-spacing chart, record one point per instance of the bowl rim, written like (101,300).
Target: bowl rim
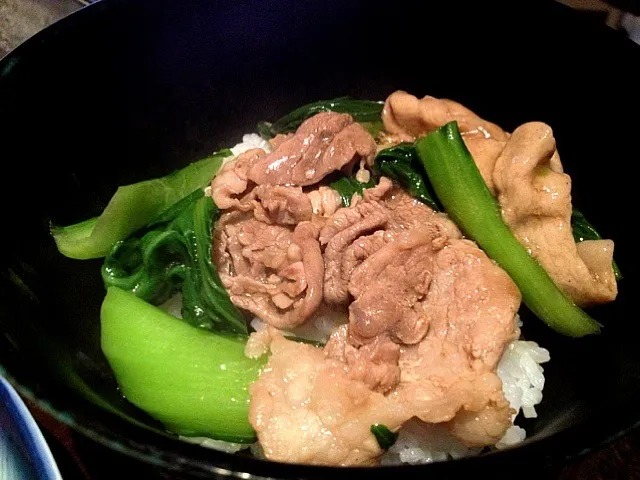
(168,452)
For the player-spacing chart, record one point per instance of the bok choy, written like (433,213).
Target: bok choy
(174,253)
(347,186)
(466,198)
(131,208)
(385,437)
(399,163)
(194,381)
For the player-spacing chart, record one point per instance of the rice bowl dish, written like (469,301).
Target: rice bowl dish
(335,237)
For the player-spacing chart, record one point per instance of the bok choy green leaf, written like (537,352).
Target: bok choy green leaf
(385,437)
(174,253)
(401,163)
(131,208)
(346,186)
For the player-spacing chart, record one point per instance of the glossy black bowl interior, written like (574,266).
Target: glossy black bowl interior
(127,90)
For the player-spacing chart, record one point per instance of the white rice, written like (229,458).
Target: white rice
(519,369)
(249,141)
(522,383)
(420,442)
(522,376)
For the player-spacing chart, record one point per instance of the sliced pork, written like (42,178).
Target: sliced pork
(535,195)
(353,234)
(323,144)
(274,271)
(376,363)
(280,205)
(231,182)
(470,307)
(526,175)
(389,290)
(324,201)
(429,314)
(358,222)
(316,406)
(306,409)
(409,117)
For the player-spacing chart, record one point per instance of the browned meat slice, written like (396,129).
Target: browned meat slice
(535,196)
(361,249)
(345,218)
(323,143)
(390,288)
(231,182)
(470,306)
(317,406)
(409,117)
(387,272)
(274,271)
(278,139)
(306,409)
(471,303)
(405,213)
(385,210)
(281,205)
(375,364)
(361,220)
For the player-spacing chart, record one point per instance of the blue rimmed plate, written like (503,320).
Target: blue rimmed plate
(24,453)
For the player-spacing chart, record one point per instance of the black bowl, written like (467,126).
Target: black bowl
(127,90)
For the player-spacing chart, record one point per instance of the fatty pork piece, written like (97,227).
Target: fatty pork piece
(535,195)
(526,176)
(407,117)
(306,409)
(322,144)
(310,406)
